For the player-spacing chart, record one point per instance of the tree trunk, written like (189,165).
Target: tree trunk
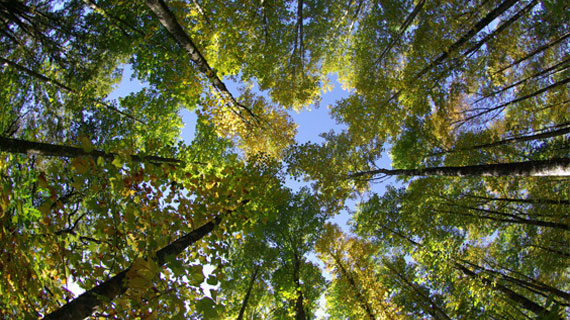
(501,28)
(363,302)
(514,219)
(531,284)
(480,25)
(532,137)
(168,20)
(418,7)
(528,200)
(534,168)
(64,87)
(428,305)
(245,300)
(84,305)
(536,51)
(519,99)
(558,67)
(54,150)
(299,309)
(521,300)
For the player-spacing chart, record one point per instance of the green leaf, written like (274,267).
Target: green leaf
(196,275)
(207,307)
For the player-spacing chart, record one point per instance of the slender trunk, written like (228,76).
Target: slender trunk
(513,296)
(480,25)
(401,31)
(429,306)
(514,220)
(533,168)
(60,85)
(543,135)
(558,252)
(246,298)
(300,32)
(399,234)
(299,309)
(519,99)
(521,300)
(35,74)
(534,285)
(54,150)
(84,305)
(501,28)
(536,51)
(528,200)
(363,302)
(558,67)
(175,30)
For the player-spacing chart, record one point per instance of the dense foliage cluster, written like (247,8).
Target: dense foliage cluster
(471,99)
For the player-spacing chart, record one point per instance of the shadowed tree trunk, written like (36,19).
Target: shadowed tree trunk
(84,305)
(522,301)
(428,305)
(299,309)
(245,300)
(363,302)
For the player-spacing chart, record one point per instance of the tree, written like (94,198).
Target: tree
(354,282)
(469,98)
(297,282)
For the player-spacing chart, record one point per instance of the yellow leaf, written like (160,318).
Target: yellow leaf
(117,162)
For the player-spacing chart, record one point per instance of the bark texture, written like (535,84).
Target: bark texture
(535,168)
(55,150)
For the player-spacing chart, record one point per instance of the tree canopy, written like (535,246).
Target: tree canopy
(107,212)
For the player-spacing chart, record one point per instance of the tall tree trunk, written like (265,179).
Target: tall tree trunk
(418,7)
(480,25)
(65,87)
(519,299)
(363,302)
(245,300)
(55,150)
(299,309)
(552,167)
(531,137)
(429,306)
(513,296)
(556,68)
(531,284)
(519,99)
(84,305)
(527,200)
(501,28)
(506,217)
(535,52)
(168,20)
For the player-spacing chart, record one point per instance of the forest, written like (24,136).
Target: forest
(106,212)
